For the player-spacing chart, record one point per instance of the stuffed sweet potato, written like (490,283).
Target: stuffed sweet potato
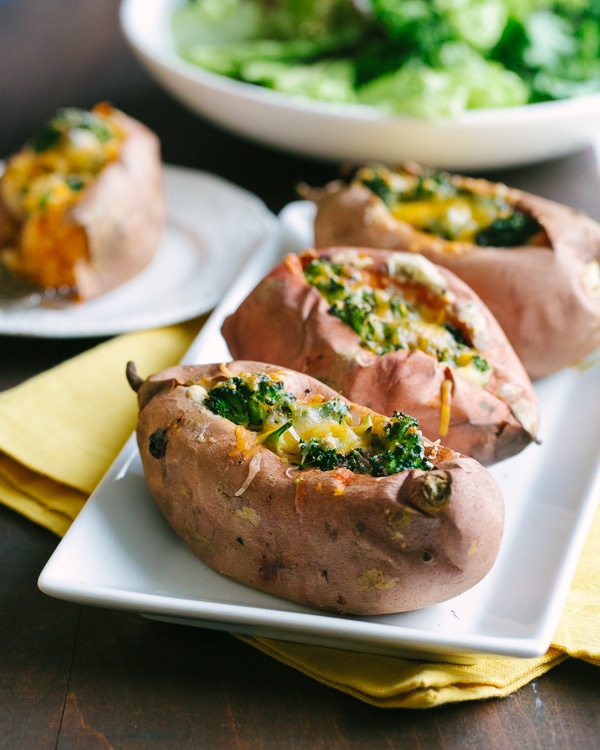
(535,263)
(394,332)
(276,481)
(82,205)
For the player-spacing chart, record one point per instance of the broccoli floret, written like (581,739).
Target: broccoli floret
(231,400)
(400,448)
(355,312)
(248,401)
(334,409)
(399,427)
(66,120)
(399,307)
(509,231)
(403,447)
(481,364)
(358,462)
(316,455)
(45,139)
(355,307)
(243,404)
(431,186)
(436,186)
(381,187)
(456,333)
(271,391)
(326,277)
(359,312)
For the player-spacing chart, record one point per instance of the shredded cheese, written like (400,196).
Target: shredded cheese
(253,469)
(446,405)
(225,370)
(242,445)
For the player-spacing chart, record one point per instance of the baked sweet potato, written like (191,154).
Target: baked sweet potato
(276,481)
(394,332)
(82,205)
(534,262)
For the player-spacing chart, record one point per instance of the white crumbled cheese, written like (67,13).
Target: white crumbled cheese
(472,316)
(353,258)
(510,392)
(415,267)
(197,394)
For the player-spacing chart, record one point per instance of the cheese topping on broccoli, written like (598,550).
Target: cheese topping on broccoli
(408,310)
(434,204)
(316,433)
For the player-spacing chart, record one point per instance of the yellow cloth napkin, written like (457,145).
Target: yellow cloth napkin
(60,431)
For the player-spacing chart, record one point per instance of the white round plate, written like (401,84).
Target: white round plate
(212,229)
(478,140)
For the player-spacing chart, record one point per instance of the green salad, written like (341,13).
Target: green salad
(426,58)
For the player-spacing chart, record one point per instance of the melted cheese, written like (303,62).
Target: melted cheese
(459,217)
(446,410)
(434,203)
(285,431)
(409,308)
(353,432)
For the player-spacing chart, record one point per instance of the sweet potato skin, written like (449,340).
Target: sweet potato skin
(286,321)
(123,214)
(537,293)
(333,540)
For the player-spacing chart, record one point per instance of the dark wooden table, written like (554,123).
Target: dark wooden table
(79,677)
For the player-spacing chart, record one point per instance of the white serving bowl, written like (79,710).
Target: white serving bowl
(478,140)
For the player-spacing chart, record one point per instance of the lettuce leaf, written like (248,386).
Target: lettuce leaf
(428,58)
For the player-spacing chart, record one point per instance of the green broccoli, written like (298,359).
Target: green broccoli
(334,409)
(456,333)
(250,401)
(379,185)
(326,277)
(355,311)
(509,231)
(245,404)
(317,456)
(481,364)
(402,446)
(63,122)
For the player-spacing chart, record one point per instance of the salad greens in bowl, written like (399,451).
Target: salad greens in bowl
(454,84)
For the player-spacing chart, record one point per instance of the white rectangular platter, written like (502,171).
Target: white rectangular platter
(120,553)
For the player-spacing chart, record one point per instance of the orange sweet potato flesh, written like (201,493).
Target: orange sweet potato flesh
(286,321)
(538,293)
(334,540)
